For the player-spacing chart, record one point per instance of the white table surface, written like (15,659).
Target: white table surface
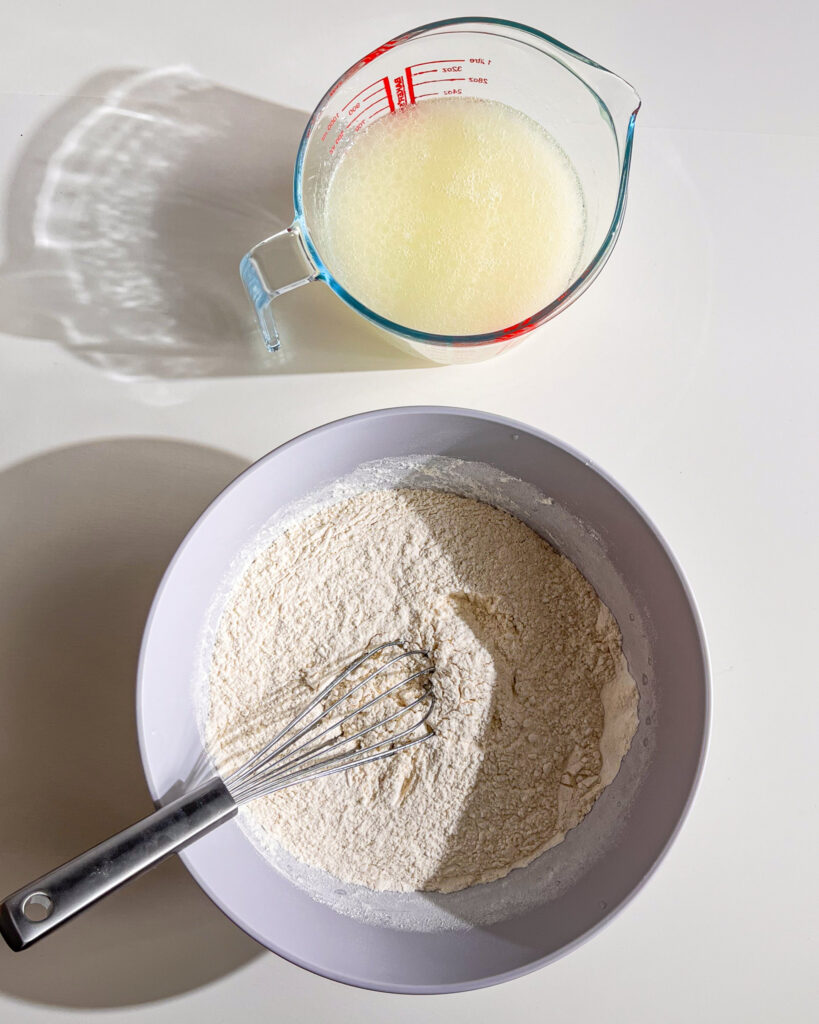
(131,390)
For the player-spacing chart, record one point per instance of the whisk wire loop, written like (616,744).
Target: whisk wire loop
(300,752)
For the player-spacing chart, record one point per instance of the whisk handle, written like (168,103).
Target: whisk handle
(46,903)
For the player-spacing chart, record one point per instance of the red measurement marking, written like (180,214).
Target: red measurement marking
(431,81)
(454,60)
(400,91)
(517,329)
(410,85)
(366,87)
(339,137)
(355,106)
(381,49)
(421,95)
(388,91)
(329,127)
(375,113)
(363,110)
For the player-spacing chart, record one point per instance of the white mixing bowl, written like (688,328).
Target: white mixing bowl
(489,933)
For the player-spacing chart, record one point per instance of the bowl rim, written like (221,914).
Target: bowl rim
(538,962)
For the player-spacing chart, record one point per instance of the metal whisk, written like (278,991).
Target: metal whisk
(333,733)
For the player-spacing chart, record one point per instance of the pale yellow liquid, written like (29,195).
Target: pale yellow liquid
(455,216)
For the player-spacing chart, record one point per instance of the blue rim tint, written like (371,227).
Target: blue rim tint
(517,330)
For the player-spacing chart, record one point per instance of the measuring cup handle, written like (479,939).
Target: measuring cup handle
(282,256)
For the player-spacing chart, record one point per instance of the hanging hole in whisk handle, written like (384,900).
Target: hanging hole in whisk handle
(38,906)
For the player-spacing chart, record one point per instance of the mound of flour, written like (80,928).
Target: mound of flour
(535,707)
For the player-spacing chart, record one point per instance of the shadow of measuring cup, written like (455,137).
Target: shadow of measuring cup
(127,217)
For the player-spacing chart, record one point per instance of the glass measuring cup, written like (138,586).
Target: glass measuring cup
(588,110)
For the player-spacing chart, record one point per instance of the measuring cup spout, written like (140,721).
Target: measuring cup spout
(275,266)
(618,100)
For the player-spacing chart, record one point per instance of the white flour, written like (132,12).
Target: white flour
(535,704)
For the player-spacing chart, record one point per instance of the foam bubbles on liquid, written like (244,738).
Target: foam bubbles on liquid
(455,216)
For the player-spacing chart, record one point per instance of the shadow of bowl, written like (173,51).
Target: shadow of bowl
(86,534)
